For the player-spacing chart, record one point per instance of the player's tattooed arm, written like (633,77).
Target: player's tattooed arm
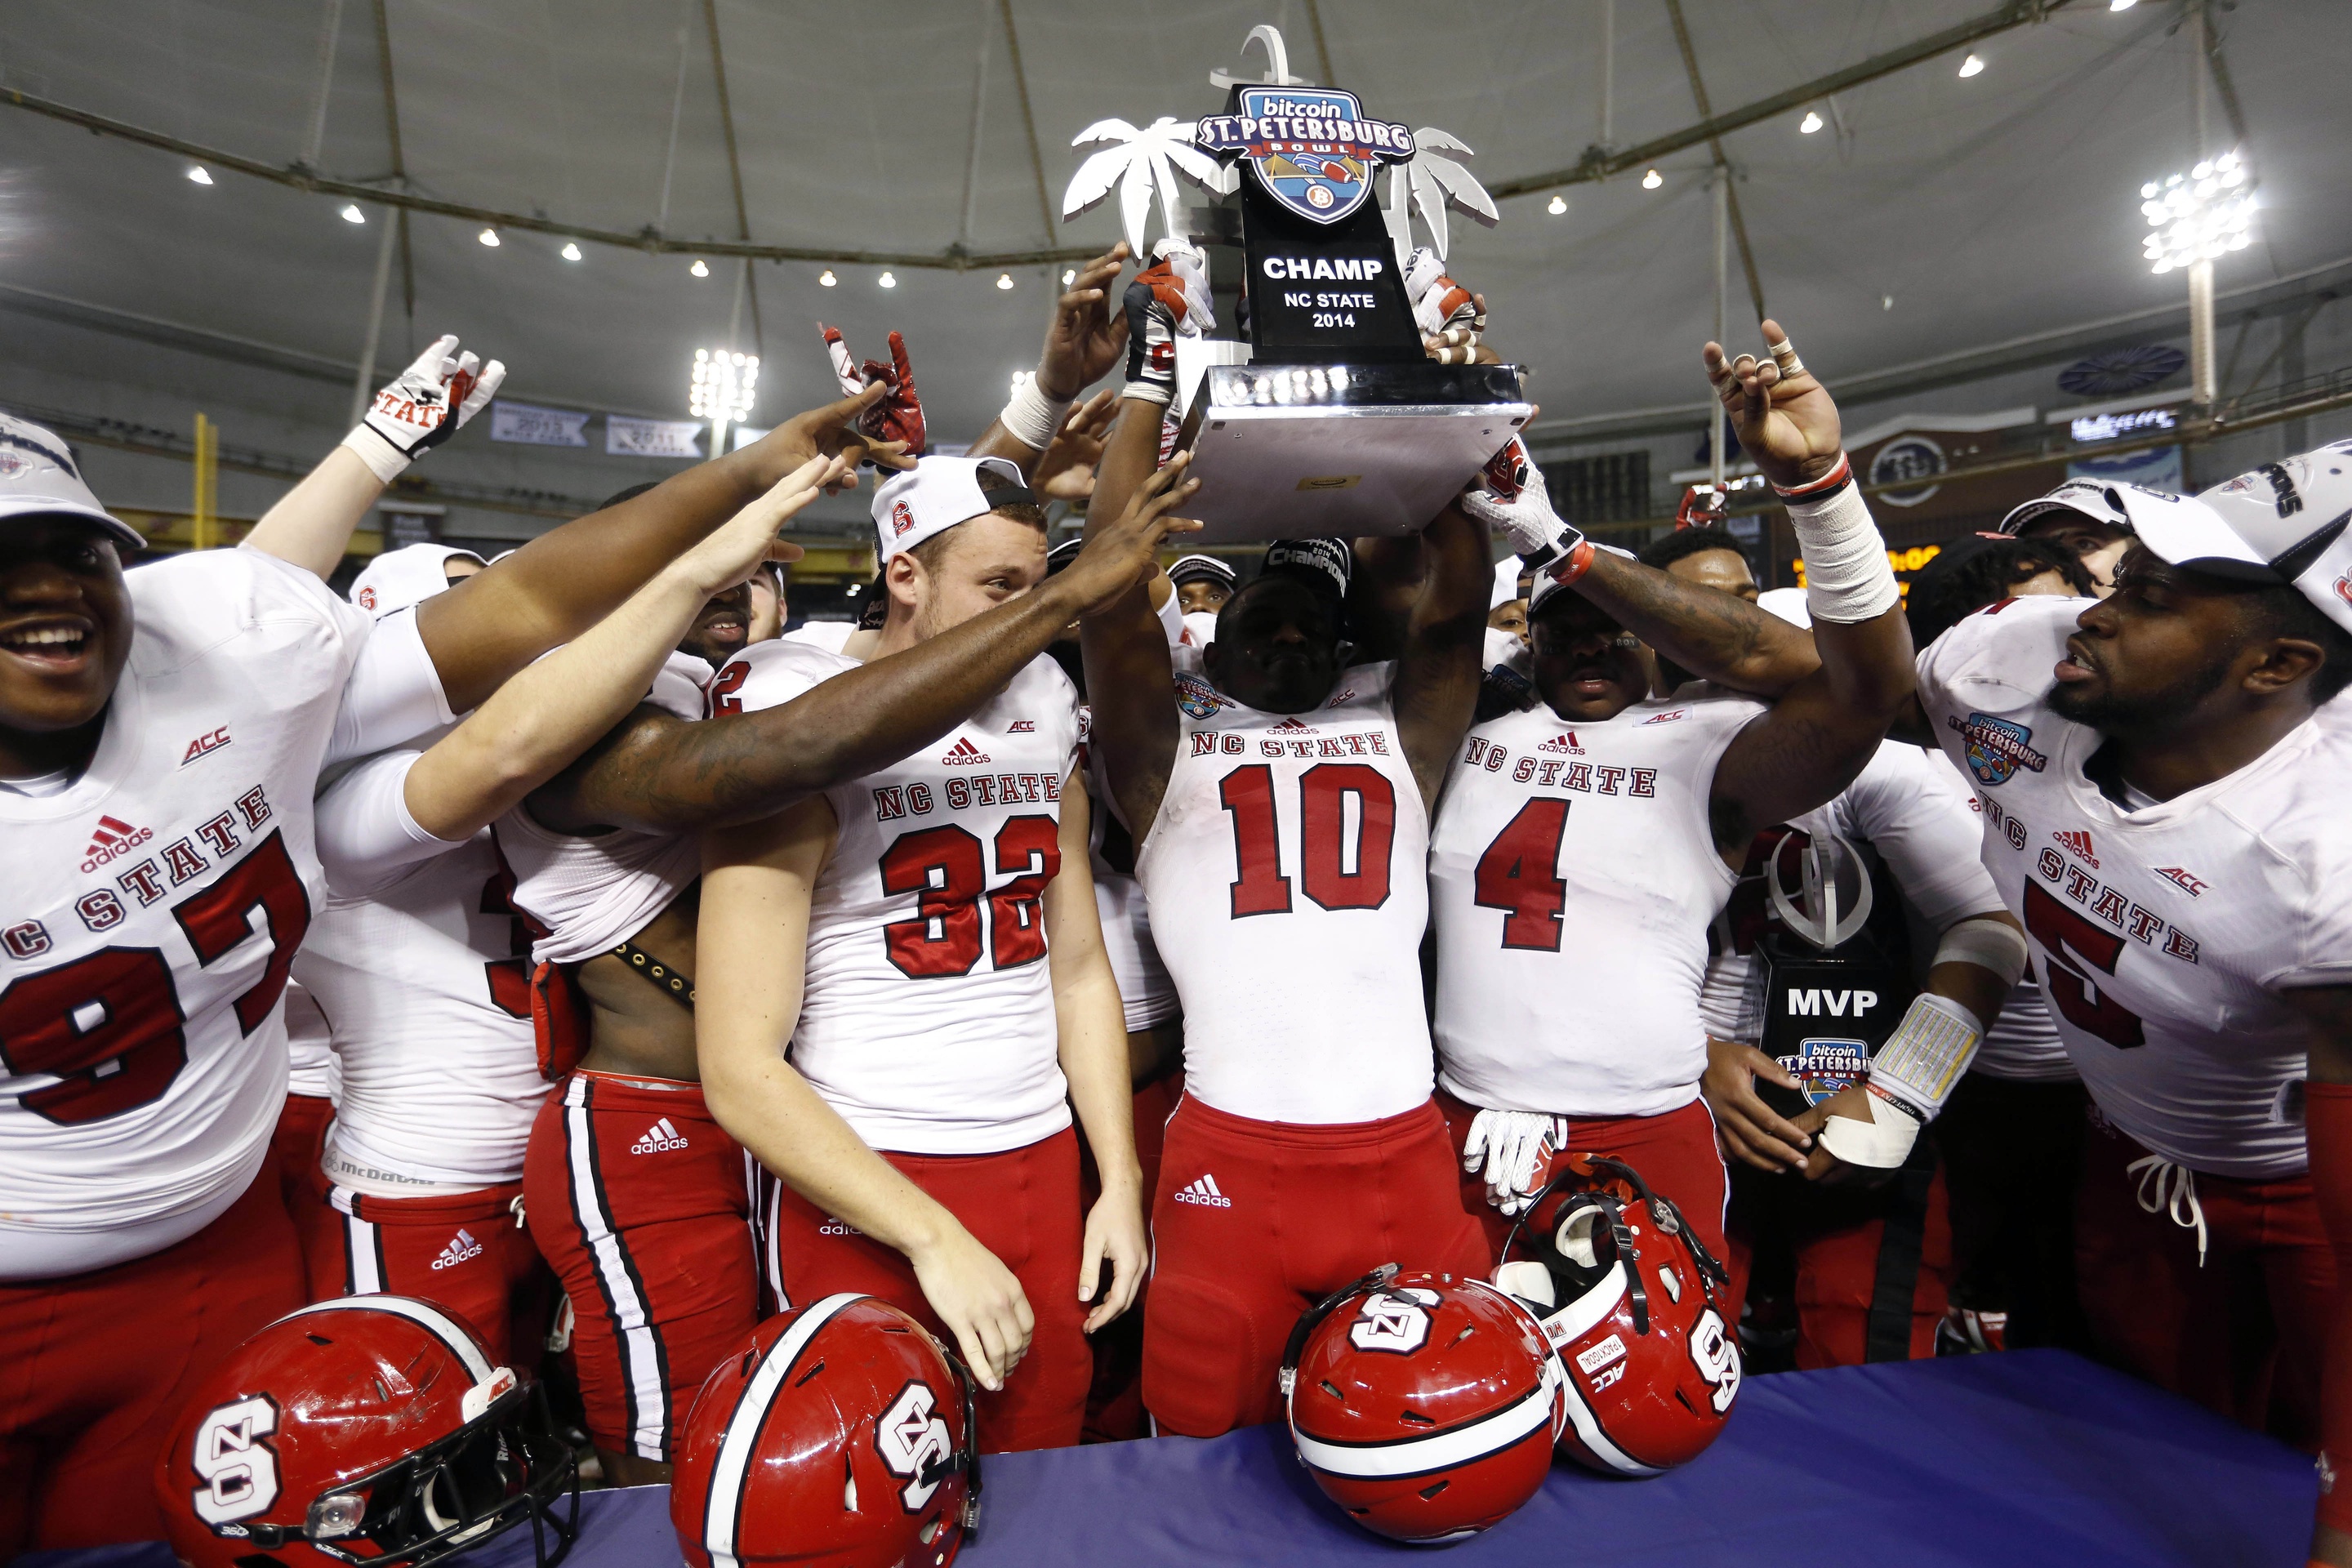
(1438,669)
(1712,634)
(2326,1012)
(1130,680)
(561,583)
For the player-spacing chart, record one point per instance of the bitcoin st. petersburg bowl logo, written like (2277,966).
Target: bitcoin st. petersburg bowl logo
(1312,147)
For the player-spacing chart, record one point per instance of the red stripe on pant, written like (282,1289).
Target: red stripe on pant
(636,1196)
(94,1369)
(465,1252)
(1254,1222)
(299,1143)
(1020,1204)
(2244,1334)
(1676,1153)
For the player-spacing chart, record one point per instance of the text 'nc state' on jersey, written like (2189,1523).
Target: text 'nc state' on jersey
(2142,924)
(182,860)
(1217,743)
(1561,772)
(893,800)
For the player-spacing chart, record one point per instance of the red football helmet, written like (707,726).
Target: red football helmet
(1626,1294)
(370,1430)
(1425,1405)
(841,1434)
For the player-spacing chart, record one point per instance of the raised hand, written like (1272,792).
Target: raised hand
(423,406)
(1122,555)
(1086,337)
(1783,416)
(729,555)
(827,431)
(1066,470)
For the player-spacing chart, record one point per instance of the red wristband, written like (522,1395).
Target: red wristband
(1575,564)
(1827,482)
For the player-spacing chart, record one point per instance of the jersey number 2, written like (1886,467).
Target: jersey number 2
(109,1024)
(943,866)
(1324,790)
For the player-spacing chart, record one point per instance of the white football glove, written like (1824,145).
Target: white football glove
(1516,1147)
(1511,498)
(423,407)
(1445,309)
(1167,301)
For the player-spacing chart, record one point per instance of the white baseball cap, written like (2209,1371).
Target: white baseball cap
(2281,523)
(2085,498)
(408,576)
(38,478)
(1507,583)
(935,495)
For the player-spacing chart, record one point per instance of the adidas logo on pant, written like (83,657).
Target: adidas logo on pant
(1204,1191)
(461,1246)
(659,1138)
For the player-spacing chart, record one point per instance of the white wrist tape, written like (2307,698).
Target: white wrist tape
(383,459)
(1989,944)
(1927,1052)
(1847,575)
(1881,1144)
(1144,390)
(1033,418)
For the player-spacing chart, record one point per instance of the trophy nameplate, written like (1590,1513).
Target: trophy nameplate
(1324,417)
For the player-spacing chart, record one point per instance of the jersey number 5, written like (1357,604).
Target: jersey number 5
(943,866)
(2071,942)
(108,1024)
(1324,842)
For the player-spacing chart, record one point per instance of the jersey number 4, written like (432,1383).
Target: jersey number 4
(943,866)
(1325,847)
(108,1024)
(1517,875)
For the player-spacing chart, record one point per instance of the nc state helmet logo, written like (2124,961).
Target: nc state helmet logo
(1396,1322)
(367,598)
(2344,588)
(902,519)
(913,1440)
(236,1463)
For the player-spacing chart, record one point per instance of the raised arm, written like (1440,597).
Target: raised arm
(555,587)
(1710,633)
(547,715)
(1439,668)
(660,774)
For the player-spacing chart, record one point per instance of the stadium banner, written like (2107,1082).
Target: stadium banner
(536,426)
(627,437)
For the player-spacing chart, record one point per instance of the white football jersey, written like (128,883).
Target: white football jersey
(1146,994)
(927,1019)
(423,976)
(151,909)
(2162,934)
(1288,872)
(1573,876)
(2022,1045)
(309,1054)
(590,892)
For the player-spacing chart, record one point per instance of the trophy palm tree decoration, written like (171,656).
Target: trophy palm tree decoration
(1429,183)
(1139,164)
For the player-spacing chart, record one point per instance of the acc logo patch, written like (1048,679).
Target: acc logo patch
(1394,1321)
(1197,697)
(1997,748)
(1312,147)
(1825,1067)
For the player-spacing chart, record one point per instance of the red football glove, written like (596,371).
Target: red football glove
(900,416)
(1703,506)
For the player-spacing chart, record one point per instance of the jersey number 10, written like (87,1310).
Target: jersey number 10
(1324,844)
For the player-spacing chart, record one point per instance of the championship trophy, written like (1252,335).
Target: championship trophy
(1324,416)
(1833,992)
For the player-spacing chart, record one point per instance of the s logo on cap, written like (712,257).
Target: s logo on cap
(902,518)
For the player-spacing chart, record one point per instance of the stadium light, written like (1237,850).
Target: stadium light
(1652,180)
(1972,66)
(726,383)
(352,213)
(826,280)
(2200,216)
(571,251)
(700,268)
(200,174)
(1810,123)
(1557,206)
(1004,280)
(489,236)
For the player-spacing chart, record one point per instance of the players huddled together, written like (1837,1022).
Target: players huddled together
(538,1016)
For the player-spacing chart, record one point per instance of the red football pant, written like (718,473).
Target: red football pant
(466,1251)
(1676,1153)
(2244,1334)
(2012,1153)
(299,1143)
(1115,1399)
(1869,1268)
(1020,1204)
(95,1367)
(1254,1222)
(636,1196)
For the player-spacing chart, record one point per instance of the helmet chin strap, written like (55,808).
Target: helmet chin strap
(1662,1211)
(1376,1281)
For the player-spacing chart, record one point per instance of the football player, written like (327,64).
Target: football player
(418,959)
(1203,583)
(174,721)
(924,942)
(1585,844)
(2081,519)
(1280,802)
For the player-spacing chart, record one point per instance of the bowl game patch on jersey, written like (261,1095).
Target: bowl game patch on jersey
(1997,748)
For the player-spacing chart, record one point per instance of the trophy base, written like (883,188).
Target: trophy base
(1294,451)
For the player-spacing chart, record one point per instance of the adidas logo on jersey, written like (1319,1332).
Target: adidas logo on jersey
(1204,1193)
(2077,842)
(1292,727)
(835,1227)
(112,837)
(1563,745)
(461,1246)
(965,754)
(2192,885)
(1023,727)
(660,1138)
